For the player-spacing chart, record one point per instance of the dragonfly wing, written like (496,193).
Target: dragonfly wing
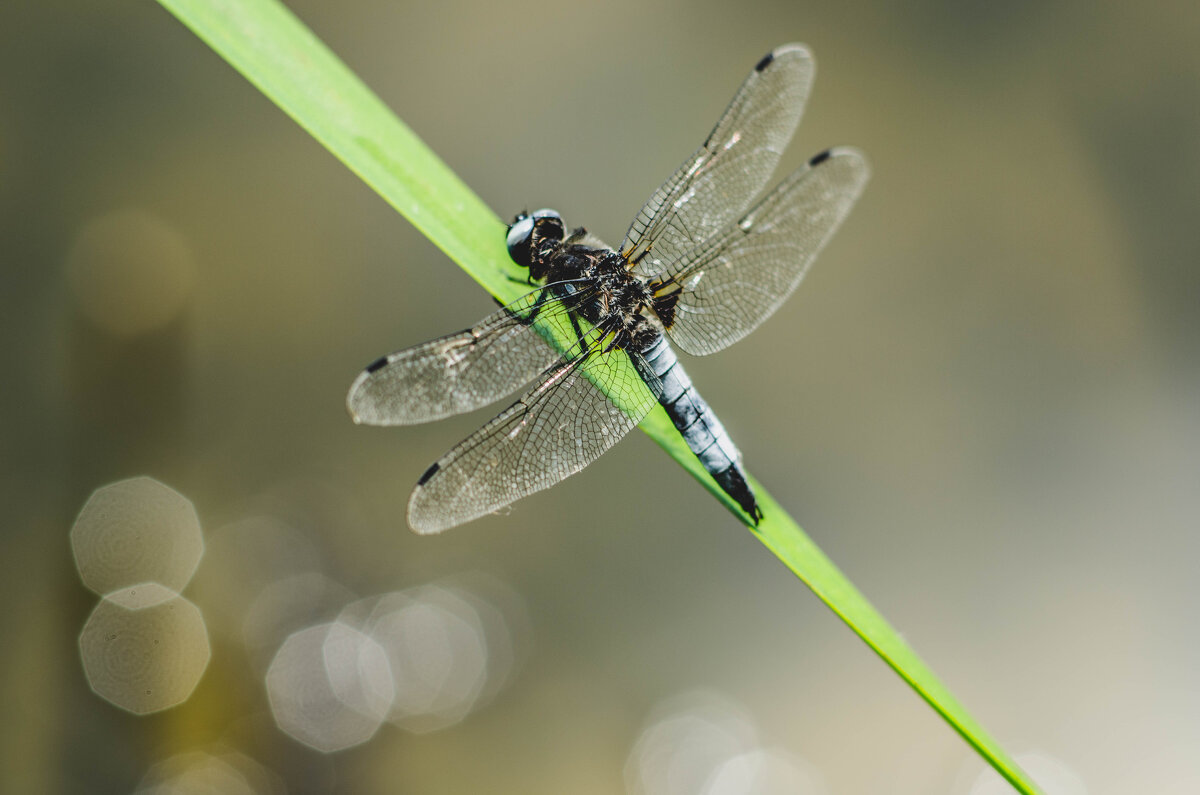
(717,183)
(554,431)
(730,286)
(459,372)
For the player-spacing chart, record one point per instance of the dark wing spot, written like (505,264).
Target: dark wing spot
(765,62)
(429,473)
(820,158)
(378,364)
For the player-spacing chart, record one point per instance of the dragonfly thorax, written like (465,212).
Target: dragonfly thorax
(591,280)
(598,286)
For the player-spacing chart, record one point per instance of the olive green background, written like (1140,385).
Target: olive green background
(984,402)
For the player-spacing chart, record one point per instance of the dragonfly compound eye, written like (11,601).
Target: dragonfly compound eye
(548,224)
(519,235)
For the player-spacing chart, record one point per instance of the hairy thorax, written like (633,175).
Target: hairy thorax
(599,284)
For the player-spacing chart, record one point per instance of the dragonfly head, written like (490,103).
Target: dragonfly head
(532,238)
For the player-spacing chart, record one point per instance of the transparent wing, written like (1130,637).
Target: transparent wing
(717,183)
(460,372)
(552,432)
(732,284)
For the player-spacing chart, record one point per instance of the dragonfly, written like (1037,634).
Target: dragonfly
(702,265)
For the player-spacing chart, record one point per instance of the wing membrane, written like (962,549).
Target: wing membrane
(460,372)
(554,431)
(717,183)
(727,288)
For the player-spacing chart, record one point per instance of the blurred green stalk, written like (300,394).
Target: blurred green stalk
(282,57)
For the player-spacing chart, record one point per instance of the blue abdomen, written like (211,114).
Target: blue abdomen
(699,426)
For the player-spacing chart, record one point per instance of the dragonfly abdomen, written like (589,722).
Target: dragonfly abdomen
(698,424)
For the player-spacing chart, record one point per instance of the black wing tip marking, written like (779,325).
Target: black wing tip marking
(376,365)
(848,157)
(428,474)
(795,50)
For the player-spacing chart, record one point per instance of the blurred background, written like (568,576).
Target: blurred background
(984,404)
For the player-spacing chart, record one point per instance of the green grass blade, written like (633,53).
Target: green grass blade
(279,55)
(787,541)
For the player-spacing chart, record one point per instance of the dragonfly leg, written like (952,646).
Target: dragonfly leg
(578,331)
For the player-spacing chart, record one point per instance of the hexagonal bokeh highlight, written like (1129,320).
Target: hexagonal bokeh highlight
(330,687)
(195,773)
(686,742)
(242,558)
(216,772)
(451,646)
(438,651)
(134,531)
(506,631)
(765,771)
(144,648)
(287,605)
